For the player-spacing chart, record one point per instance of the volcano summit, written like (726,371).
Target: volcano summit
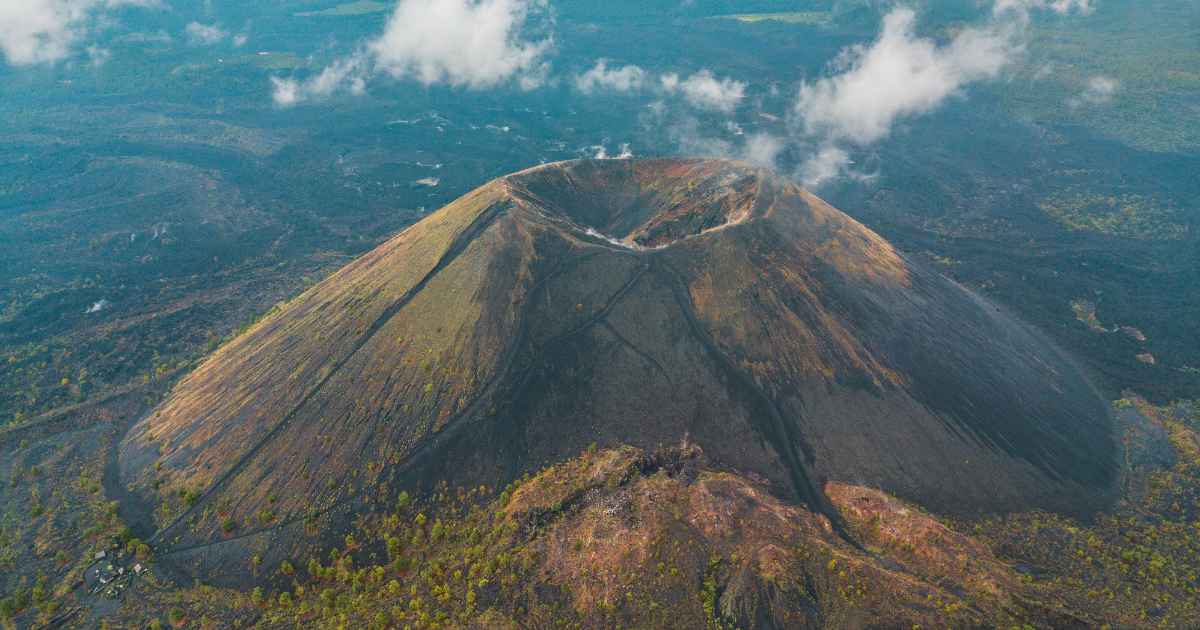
(621,302)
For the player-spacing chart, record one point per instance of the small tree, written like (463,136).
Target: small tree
(60,557)
(256,597)
(228,525)
(176,615)
(286,568)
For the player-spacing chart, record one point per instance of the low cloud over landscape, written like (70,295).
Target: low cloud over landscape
(601,77)
(476,44)
(38,31)
(704,91)
(864,92)
(899,74)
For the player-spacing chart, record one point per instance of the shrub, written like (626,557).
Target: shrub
(228,525)
(60,557)
(176,615)
(286,568)
(285,598)
(592,448)
(190,498)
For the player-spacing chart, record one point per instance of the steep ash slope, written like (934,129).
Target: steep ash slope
(623,302)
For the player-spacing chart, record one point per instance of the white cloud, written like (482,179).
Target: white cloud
(1099,90)
(762,149)
(476,43)
(473,43)
(624,79)
(1022,7)
(205,34)
(686,134)
(828,162)
(899,74)
(287,92)
(348,73)
(536,77)
(38,31)
(97,55)
(704,91)
(869,88)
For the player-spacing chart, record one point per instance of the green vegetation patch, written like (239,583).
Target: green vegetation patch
(360,7)
(1125,215)
(278,61)
(1148,51)
(791,18)
(1134,567)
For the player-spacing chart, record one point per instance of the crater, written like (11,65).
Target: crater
(642,204)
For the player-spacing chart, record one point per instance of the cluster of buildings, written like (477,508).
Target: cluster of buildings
(109,579)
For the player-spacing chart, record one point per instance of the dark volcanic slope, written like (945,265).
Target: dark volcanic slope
(640,302)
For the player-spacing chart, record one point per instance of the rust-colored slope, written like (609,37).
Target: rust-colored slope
(637,302)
